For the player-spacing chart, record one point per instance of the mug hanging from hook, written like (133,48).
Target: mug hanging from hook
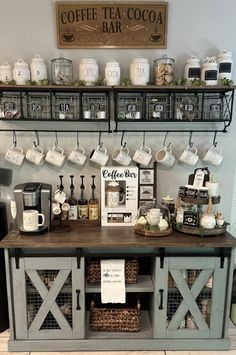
(190,143)
(214,139)
(56,141)
(14,138)
(36,142)
(100,144)
(121,141)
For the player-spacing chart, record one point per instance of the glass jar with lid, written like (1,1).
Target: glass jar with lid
(163,70)
(62,71)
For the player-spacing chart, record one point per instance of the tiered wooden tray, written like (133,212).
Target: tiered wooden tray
(199,230)
(152,233)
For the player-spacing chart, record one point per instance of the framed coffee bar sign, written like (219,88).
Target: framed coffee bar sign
(111,25)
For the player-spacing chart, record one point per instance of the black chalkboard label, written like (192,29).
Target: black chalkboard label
(225,67)
(211,75)
(190,219)
(215,107)
(194,73)
(35,106)
(9,106)
(64,107)
(189,107)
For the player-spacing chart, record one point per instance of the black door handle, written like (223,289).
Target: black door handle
(78,308)
(161,292)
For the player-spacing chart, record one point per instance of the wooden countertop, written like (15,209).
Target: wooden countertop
(107,237)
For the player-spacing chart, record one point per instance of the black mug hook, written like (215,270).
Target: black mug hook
(144,134)
(77,138)
(164,142)
(56,142)
(14,138)
(190,138)
(36,142)
(214,139)
(122,138)
(99,139)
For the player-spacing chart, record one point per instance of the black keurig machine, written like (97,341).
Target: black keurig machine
(33,196)
(5,180)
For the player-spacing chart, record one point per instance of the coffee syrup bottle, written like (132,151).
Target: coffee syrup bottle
(93,203)
(73,212)
(82,203)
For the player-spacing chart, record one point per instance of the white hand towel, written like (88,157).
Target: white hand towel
(113,281)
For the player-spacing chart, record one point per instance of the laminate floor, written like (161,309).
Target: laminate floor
(232,332)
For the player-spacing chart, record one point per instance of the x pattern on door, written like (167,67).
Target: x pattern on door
(49,304)
(189,300)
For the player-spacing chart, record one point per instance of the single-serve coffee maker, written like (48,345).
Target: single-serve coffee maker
(33,196)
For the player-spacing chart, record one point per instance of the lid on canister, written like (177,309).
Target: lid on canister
(193,59)
(113,63)
(61,59)
(5,65)
(88,60)
(224,54)
(20,63)
(37,59)
(113,183)
(164,58)
(140,60)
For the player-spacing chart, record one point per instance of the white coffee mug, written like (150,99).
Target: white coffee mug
(99,155)
(101,115)
(55,156)
(35,155)
(213,156)
(189,155)
(213,188)
(15,155)
(165,156)
(143,155)
(31,220)
(59,196)
(56,209)
(121,156)
(77,155)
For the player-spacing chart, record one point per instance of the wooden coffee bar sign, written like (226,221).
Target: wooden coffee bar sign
(111,25)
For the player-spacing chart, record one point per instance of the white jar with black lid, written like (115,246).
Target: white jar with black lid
(225,65)
(209,72)
(192,68)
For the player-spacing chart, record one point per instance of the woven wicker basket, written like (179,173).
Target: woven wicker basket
(115,317)
(94,271)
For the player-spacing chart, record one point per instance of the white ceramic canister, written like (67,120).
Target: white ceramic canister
(192,68)
(139,71)
(88,70)
(5,72)
(21,72)
(209,72)
(225,65)
(112,73)
(38,69)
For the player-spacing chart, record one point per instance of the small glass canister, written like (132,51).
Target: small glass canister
(5,72)
(225,64)
(164,70)
(62,71)
(139,71)
(38,69)
(192,68)
(88,71)
(209,72)
(112,73)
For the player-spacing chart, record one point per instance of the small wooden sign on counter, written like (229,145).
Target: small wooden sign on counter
(111,25)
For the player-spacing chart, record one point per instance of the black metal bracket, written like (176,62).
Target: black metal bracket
(17,255)
(162,257)
(78,308)
(222,257)
(78,256)
(161,291)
